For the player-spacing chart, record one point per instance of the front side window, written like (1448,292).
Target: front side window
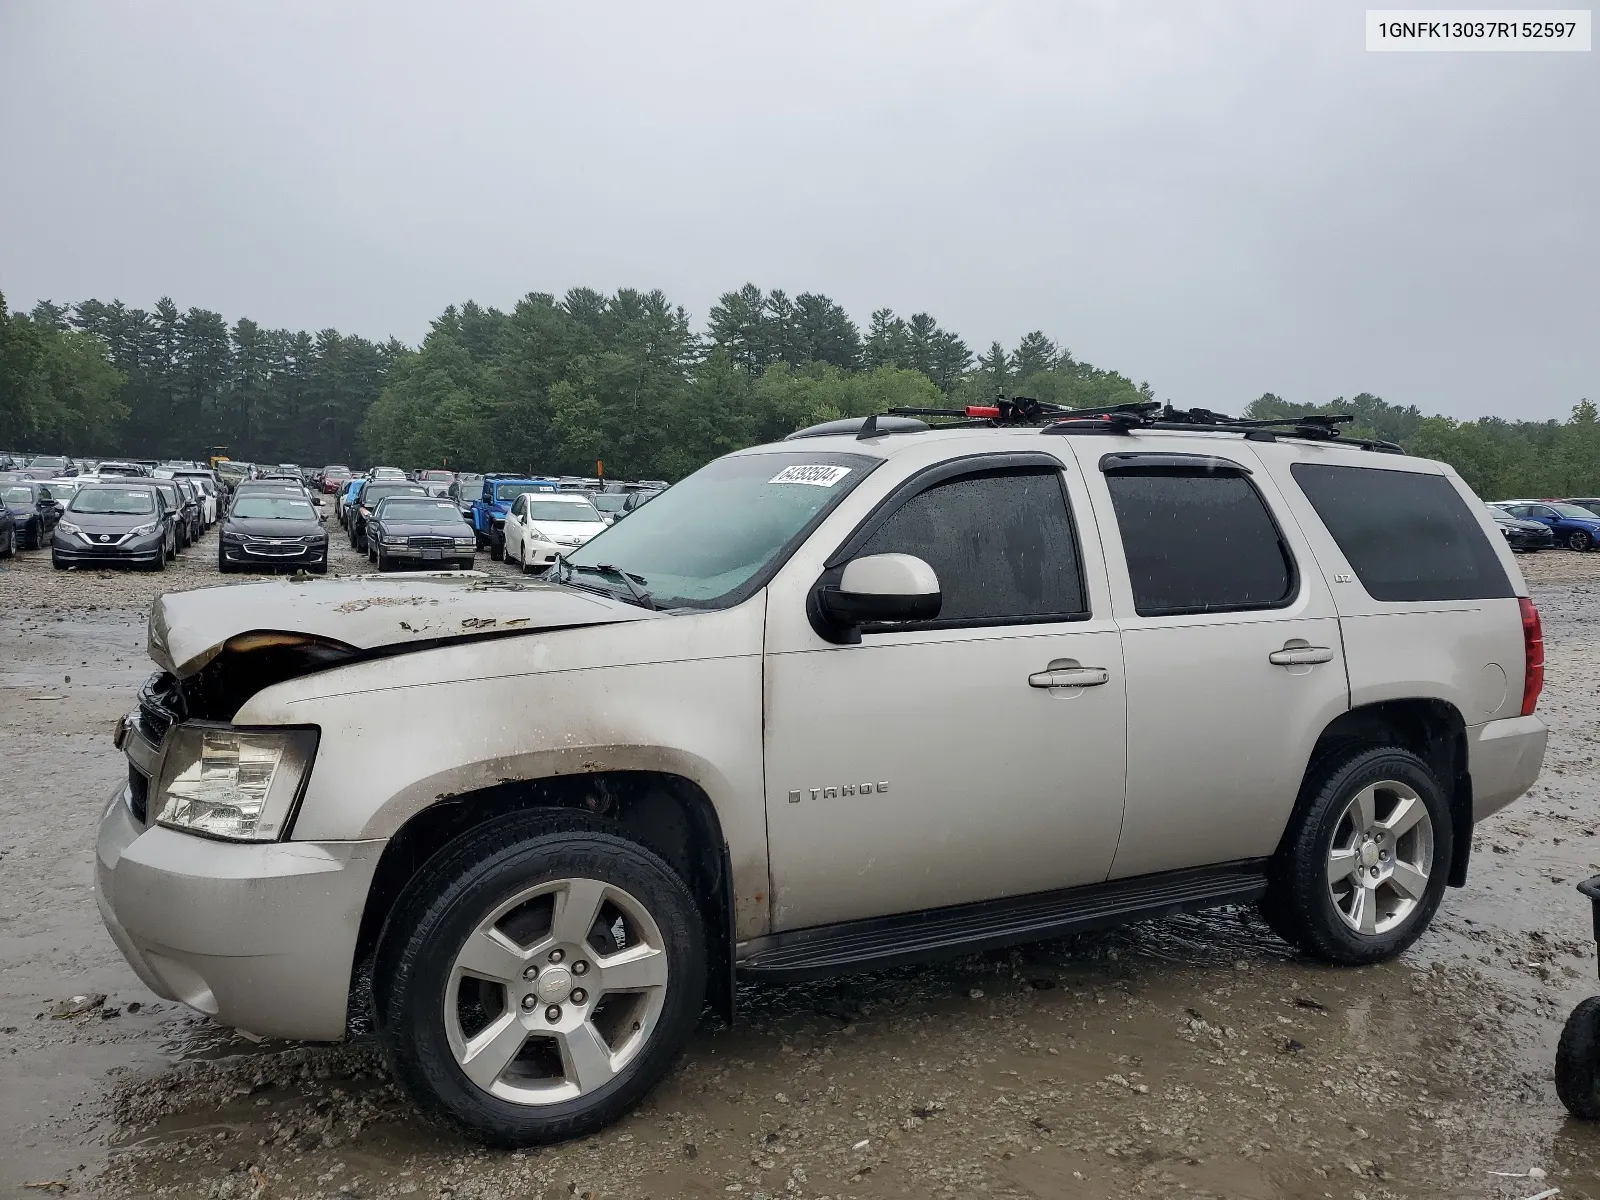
(1408,536)
(1198,541)
(1001,544)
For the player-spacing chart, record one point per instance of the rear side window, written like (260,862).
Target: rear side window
(1408,536)
(1198,542)
(1001,544)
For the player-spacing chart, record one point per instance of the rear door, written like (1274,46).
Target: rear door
(1231,646)
(1425,585)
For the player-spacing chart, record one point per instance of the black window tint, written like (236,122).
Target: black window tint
(1001,544)
(1199,543)
(1408,536)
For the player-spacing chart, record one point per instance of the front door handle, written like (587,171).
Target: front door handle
(1300,656)
(1070,677)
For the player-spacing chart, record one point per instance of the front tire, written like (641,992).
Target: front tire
(1363,865)
(497,546)
(1579,540)
(1578,1061)
(616,948)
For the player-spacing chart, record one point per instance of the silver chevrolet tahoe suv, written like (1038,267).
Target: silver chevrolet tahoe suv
(873,694)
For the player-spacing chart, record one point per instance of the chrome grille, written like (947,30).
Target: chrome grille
(429,542)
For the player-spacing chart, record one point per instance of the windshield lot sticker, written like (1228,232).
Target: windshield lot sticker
(818,476)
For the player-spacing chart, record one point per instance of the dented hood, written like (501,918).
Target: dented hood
(188,629)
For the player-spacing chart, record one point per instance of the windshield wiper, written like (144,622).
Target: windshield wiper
(607,571)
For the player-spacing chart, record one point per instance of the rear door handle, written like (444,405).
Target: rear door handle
(1300,656)
(1065,677)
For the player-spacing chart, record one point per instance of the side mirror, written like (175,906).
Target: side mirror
(878,588)
(58,506)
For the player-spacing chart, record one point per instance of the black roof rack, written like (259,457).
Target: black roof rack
(1113,419)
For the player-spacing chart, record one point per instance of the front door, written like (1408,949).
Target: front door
(936,764)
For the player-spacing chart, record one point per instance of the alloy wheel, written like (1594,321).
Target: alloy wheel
(554,992)
(1381,857)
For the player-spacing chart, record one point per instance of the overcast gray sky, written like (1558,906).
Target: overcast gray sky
(1221,198)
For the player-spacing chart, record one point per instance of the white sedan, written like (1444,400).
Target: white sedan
(542,525)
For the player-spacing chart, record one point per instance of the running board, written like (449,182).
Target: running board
(880,942)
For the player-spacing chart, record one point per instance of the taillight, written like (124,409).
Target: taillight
(1532,656)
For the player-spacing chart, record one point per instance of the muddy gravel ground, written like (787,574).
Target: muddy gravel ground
(1192,1056)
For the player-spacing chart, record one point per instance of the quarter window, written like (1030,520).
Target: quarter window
(1198,541)
(1001,543)
(1408,536)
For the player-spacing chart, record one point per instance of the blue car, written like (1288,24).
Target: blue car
(1574,527)
(489,509)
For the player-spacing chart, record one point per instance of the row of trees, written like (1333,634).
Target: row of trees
(176,383)
(554,385)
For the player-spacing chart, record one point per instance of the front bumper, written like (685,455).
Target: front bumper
(1504,758)
(71,548)
(260,936)
(544,554)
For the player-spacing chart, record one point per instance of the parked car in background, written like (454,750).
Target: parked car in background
(63,490)
(539,527)
(194,506)
(55,464)
(464,491)
(1524,537)
(8,527)
(186,511)
(122,469)
(420,531)
(494,502)
(394,474)
(436,476)
(360,509)
(267,530)
(1574,527)
(34,510)
(127,523)
(206,482)
(343,497)
(333,477)
(1589,503)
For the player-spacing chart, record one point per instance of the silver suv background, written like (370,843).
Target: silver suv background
(874,694)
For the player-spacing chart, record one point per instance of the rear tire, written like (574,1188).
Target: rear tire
(1356,805)
(599,1055)
(1578,1061)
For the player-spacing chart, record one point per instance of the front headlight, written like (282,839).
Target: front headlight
(393,541)
(144,529)
(238,784)
(466,543)
(69,527)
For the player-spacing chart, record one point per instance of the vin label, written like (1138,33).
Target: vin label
(1540,30)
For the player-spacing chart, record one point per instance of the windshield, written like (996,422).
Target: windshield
(17,496)
(1572,510)
(507,492)
(48,462)
(376,492)
(707,541)
(278,508)
(609,501)
(404,508)
(130,502)
(562,510)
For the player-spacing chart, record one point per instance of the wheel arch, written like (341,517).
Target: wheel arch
(1432,729)
(668,813)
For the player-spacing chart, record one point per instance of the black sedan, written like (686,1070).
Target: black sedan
(424,530)
(1523,535)
(107,523)
(34,510)
(8,533)
(360,512)
(269,531)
